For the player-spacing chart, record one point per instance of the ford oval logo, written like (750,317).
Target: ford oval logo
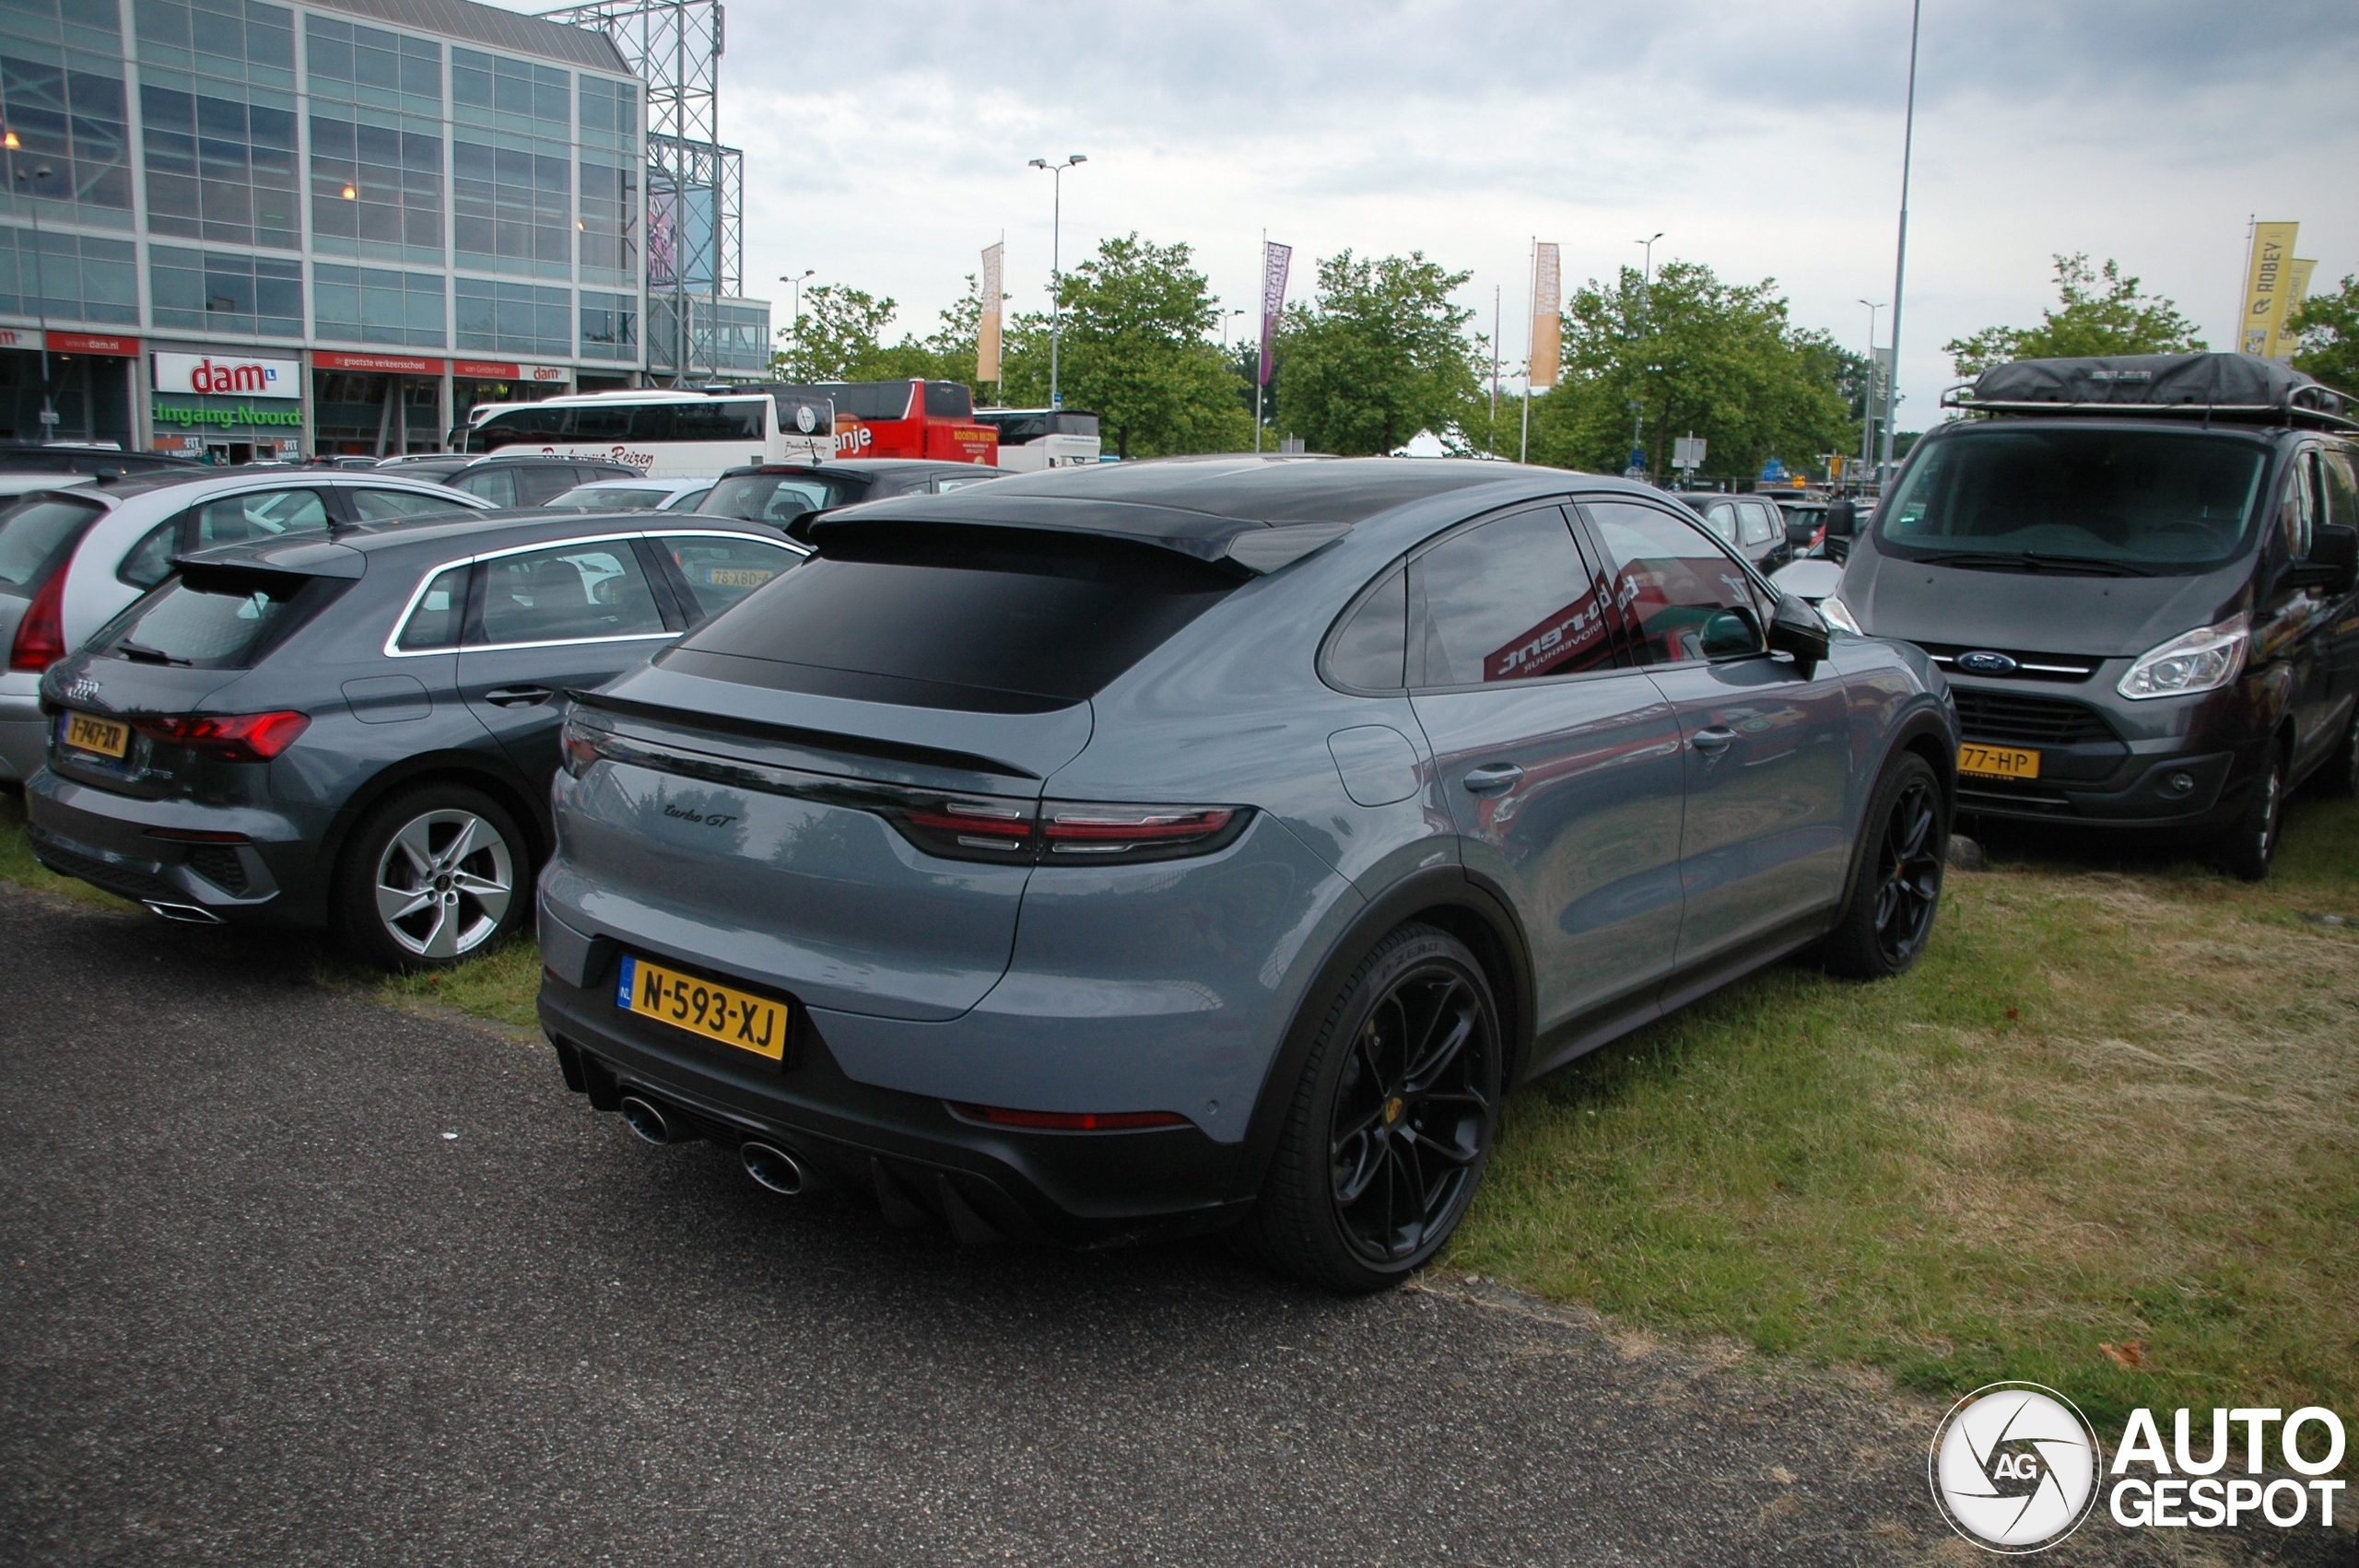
(1984,663)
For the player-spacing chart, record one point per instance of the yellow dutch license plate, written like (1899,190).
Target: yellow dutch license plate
(1996,762)
(701,1007)
(105,736)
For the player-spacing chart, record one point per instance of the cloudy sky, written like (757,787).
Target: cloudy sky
(886,144)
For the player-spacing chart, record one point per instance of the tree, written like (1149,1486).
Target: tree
(2328,328)
(1137,351)
(1379,355)
(2100,312)
(834,338)
(1689,354)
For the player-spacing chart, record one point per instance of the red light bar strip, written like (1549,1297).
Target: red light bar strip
(1072,1121)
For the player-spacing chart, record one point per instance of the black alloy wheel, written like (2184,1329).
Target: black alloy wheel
(1896,876)
(1409,1121)
(1908,874)
(2250,846)
(1392,1121)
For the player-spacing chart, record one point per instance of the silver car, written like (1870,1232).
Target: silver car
(1212,843)
(73,555)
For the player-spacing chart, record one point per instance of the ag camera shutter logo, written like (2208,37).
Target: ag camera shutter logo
(2015,1468)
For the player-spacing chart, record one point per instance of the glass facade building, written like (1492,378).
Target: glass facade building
(426,204)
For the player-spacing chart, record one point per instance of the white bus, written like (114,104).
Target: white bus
(1042,437)
(668,435)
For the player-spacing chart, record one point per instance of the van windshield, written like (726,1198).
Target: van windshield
(2096,499)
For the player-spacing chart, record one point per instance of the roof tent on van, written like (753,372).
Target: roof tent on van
(2222,386)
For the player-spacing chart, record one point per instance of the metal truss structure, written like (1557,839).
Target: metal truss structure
(695,187)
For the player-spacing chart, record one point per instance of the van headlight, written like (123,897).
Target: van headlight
(2199,661)
(1836,614)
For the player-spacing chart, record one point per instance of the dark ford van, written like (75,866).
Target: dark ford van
(2138,574)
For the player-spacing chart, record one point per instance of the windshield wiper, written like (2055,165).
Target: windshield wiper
(144,654)
(2032,561)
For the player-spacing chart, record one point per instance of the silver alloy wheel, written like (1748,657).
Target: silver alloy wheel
(443,883)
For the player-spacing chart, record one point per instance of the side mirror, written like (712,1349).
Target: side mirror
(1842,519)
(1731,634)
(2334,559)
(1795,628)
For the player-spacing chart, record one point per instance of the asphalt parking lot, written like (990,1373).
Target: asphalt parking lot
(291,1277)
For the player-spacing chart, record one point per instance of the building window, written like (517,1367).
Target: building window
(71,278)
(511,95)
(62,92)
(377,187)
(207,291)
(217,102)
(609,326)
(609,114)
(514,318)
(357,65)
(510,207)
(235,40)
(375,305)
(609,220)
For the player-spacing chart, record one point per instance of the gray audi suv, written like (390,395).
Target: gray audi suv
(1211,843)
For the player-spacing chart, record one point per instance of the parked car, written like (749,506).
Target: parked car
(784,494)
(71,557)
(359,733)
(2139,573)
(87,458)
(512,479)
(1751,525)
(1196,842)
(632,495)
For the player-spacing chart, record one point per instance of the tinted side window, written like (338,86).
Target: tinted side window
(1510,600)
(948,400)
(1760,522)
(1369,649)
(1721,515)
(722,570)
(435,622)
(737,420)
(387,506)
(2298,511)
(1670,581)
(567,592)
(150,561)
(496,485)
(2342,489)
(535,484)
(273,514)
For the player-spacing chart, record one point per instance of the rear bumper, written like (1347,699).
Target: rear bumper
(912,1153)
(111,841)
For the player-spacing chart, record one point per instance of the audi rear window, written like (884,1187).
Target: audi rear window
(216,618)
(993,620)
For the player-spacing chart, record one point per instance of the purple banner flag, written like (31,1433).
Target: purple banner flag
(1274,261)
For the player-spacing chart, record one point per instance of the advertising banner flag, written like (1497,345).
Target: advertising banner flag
(1547,325)
(987,328)
(1276,259)
(2265,280)
(2298,288)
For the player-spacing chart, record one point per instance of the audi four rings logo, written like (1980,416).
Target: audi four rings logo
(1983,662)
(2015,1468)
(83,689)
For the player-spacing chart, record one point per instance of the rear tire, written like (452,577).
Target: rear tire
(2246,850)
(431,877)
(1897,891)
(1391,1122)
(2339,779)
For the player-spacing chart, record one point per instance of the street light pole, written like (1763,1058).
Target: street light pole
(1646,324)
(1868,403)
(40,279)
(795,322)
(1900,251)
(1056,269)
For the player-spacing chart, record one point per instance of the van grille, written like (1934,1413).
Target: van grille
(2028,666)
(2036,720)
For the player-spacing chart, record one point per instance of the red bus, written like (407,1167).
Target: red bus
(912,418)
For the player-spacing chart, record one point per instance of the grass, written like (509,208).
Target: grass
(2101,1138)
(17,865)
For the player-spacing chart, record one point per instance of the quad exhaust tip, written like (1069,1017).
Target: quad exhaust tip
(184,914)
(646,1120)
(774,1169)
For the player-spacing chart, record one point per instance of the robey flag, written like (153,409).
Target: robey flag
(2265,281)
(987,325)
(1276,259)
(1547,325)
(2298,288)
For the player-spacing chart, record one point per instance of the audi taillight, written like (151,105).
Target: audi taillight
(227,737)
(41,636)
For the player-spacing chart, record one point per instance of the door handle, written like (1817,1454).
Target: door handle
(518,696)
(1712,742)
(1492,777)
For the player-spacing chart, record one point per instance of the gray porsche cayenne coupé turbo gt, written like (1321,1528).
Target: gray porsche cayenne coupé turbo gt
(1213,842)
